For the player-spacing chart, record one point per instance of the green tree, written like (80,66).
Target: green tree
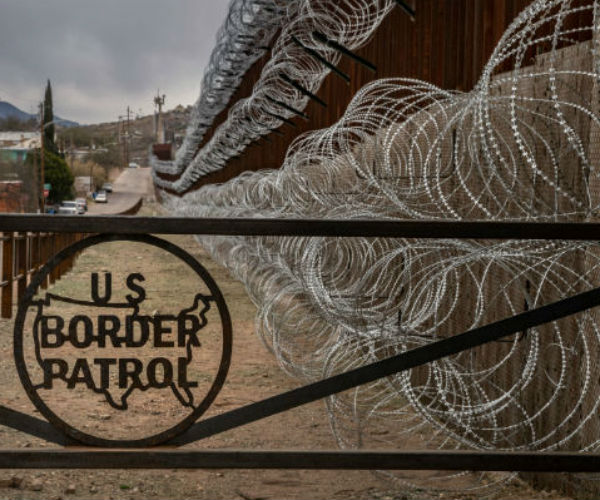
(56,173)
(49,129)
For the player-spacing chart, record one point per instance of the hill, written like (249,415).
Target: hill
(8,110)
(110,136)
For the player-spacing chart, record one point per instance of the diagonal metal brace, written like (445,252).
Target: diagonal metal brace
(389,366)
(407,8)
(32,426)
(287,106)
(321,59)
(347,52)
(302,89)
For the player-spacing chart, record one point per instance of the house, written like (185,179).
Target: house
(14,146)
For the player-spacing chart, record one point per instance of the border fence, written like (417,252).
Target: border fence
(24,253)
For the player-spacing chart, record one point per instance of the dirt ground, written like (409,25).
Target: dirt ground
(253,375)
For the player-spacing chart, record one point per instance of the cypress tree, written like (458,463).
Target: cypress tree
(48,118)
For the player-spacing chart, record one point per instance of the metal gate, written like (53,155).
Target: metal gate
(74,456)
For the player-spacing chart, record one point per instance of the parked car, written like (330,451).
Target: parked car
(108,187)
(67,210)
(82,202)
(133,165)
(101,197)
(69,206)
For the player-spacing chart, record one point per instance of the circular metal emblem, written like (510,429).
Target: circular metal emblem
(122,357)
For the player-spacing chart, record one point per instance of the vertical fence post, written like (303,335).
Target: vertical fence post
(53,251)
(35,252)
(44,255)
(21,265)
(7,275)
(63,266)
(69,261)
(29,261)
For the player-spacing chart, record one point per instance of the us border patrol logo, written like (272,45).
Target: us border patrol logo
(102,359)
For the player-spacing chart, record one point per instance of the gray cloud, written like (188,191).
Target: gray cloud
(104,55)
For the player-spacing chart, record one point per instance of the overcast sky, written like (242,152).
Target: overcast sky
(103,55)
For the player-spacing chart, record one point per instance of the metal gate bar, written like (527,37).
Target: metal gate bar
(301,227)
(156,458)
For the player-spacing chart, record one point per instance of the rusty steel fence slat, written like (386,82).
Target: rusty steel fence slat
(23,254)
(7,275)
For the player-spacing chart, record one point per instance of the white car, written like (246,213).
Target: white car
(67,211)
(133,165)
(82,202)
(101,197)
(71,206)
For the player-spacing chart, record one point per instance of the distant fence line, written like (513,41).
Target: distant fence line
(23,254)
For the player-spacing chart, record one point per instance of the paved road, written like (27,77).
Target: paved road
(130,186)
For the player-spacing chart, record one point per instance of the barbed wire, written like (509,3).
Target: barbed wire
(243,38)
(283,90)
(523,145)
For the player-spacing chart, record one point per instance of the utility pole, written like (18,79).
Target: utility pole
(120,131)
(127,137)
(92,187)
(159,127)
(124,135)
(42,173)
(36,187)
(71,147)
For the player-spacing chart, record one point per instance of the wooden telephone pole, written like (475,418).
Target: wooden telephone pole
(42,173)
(127,136)
(124,123)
